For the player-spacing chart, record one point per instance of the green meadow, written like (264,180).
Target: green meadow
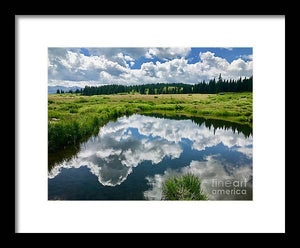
(73,118)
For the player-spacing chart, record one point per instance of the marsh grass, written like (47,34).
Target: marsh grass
(184,187)
(70,130)
(80,116)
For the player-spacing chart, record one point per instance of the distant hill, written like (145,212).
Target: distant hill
(53,89)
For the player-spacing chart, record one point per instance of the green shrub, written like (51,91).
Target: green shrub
(226,113)
(151,103)
(242,118)
(204,112)
(73,111)
(185,187)
(144,107)
(82,100)
(179,107)
(165,107)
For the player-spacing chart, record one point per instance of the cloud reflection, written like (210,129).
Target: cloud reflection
(122,145)
(177,130)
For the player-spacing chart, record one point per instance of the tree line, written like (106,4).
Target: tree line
(213,86)
(77,91)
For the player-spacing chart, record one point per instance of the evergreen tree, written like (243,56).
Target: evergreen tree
(203,87)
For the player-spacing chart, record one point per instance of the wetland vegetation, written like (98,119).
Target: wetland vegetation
(73,118)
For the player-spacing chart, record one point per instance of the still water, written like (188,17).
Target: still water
(132,156)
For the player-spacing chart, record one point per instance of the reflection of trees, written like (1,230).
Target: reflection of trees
(67,153)
(62,155)
(235,127)
(70,151)
(245,129)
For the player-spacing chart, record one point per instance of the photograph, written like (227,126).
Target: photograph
(150,123)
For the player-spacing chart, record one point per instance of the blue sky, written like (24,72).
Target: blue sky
(142,65)
(229,54)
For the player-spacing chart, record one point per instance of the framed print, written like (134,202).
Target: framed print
(138,122)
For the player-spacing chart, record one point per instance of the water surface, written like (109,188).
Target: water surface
(131,157)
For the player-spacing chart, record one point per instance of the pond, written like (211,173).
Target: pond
(131,157)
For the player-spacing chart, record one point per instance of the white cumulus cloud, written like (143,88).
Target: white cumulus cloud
(113,66)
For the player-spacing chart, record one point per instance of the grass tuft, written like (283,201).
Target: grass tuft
(185,187)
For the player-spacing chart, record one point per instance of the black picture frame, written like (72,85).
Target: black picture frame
(12,112)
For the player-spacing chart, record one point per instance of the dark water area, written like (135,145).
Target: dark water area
(131,157)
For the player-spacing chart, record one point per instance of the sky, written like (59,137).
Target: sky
(143,65)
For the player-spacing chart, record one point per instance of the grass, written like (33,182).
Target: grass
(184,187)
(72,118)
